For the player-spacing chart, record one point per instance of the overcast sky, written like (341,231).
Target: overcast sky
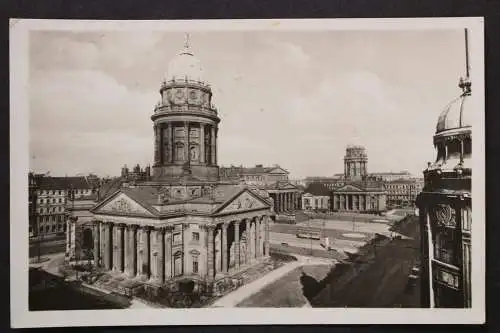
(287,98)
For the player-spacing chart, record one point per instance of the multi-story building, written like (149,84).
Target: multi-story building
(51,195)
(32,203)
(445,209)
(274,180)
(317,197)
(391,176)
(403,192)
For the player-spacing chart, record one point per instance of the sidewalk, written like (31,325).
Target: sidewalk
(234,298)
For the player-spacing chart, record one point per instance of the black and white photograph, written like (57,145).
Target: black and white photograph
(247,172)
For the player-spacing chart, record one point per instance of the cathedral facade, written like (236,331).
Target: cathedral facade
(356,191)
(182,222)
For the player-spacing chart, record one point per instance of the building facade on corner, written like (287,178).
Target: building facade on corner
(445,209)
(317,197)
(183,223)
(49,201)
(403,192)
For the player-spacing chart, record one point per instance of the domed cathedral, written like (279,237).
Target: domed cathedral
(185,123)
(181,223)
(356,191)
(445,207)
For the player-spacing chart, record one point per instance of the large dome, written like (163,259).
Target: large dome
(456,114)
(184,65)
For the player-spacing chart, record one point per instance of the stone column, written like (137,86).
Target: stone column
(96,243)
(266,236)
(157,144)
(114,236)
(237,243)
(140,250)
(186,142)
(223,248)
(107,246)
(132,250)
(102,241)
(126,250)
(257,237)
(120,247)
(167,238)
(161,255)
(170,144)
(147,252)
(210,252)
(202,143)
(155,254)
(212,144)
(249,242)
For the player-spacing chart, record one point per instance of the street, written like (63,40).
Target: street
(378,278)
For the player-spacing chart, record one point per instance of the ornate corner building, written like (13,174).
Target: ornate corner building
(182,222)
(445,209)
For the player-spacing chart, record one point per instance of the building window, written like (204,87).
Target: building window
(195,264)
(444,247)
(178,263)
(196,236)
(177,238)
(466,219)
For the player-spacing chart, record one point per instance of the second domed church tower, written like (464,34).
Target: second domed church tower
(185,123)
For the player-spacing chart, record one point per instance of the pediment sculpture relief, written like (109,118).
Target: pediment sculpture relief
(122,206)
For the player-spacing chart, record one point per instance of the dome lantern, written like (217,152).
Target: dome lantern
(185,66)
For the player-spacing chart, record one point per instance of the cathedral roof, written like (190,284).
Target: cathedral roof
(185,66)
(456,115)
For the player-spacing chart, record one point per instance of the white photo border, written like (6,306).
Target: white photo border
(21,317)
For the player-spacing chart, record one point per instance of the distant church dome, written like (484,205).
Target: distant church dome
(185,66)
(456,114)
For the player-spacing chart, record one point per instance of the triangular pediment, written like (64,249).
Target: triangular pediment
(349,188)
(278,170)
(120,203)
(288,186)
(244,201)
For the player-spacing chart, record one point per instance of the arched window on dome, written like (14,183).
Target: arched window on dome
(179,152)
